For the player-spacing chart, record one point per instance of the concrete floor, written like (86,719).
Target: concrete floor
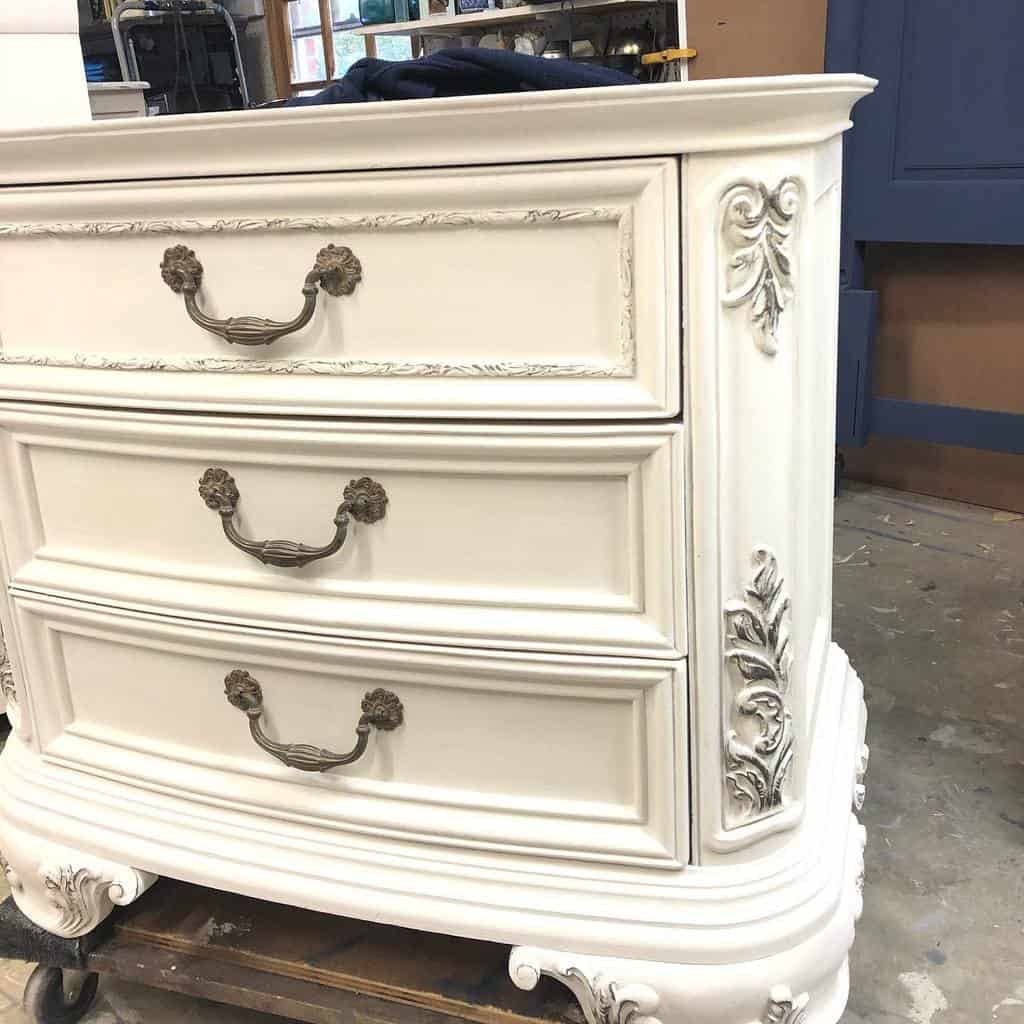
(929,599)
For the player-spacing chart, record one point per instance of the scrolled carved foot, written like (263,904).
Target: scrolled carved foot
(602,999)
(64,891)
(46,1000)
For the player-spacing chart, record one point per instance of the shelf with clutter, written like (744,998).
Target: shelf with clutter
(639,37)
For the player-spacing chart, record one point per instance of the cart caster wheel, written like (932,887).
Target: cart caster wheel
(46,1002)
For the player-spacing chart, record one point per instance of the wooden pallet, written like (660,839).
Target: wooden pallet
(292,963)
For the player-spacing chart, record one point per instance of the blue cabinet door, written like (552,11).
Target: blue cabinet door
(936,155)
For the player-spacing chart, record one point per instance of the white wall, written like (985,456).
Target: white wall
(42,78)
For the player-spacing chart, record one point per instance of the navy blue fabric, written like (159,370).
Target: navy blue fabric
(470,71)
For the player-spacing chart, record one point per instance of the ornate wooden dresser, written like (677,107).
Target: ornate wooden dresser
(541,397)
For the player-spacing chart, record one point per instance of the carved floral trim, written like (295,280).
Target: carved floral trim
(623,366)
(372,222)
(783,1008)
(7,684)
(13,880)
(758,739)
(859,841)
(603,1000)
(859,789)
(757,225)
(76,895)
(83,896)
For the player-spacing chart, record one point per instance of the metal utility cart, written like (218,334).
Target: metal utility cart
(187,50)
(295,964)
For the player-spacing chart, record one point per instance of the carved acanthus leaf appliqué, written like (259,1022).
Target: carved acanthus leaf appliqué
(76,895)
(784,1008)
(756,226)
(859,789)
(602,1000)
(759,730)
(13,880)
(81,896)
(7,687)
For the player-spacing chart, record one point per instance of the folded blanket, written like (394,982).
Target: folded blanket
(470,71)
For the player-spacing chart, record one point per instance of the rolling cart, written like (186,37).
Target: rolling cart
(188,51)
(290,963)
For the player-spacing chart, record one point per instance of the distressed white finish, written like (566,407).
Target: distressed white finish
(602,586)
(61,889)
(723,115)
(492,712)
(527,538)
(556,289)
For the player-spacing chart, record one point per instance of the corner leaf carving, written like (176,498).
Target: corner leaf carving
(7,684)
(759,730)
(784,1008)
(81,897)
(859,789)
(602,1000)
(77,896)
(757,225)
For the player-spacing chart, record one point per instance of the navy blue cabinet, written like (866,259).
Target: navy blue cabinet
(937,155)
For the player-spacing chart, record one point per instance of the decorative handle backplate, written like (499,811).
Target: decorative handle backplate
(364,500)
(337,270)
(381,710)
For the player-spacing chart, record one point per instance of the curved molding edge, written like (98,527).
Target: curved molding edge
(757,227)
(64,891)
(692,940)
(602,999)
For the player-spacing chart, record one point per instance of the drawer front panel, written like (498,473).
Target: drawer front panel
(543,292)
(561,755)
(520,538)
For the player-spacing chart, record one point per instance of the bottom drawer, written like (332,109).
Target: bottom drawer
(562,756)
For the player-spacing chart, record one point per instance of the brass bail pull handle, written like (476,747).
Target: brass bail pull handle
(363,500)
(381,710)
(337,270)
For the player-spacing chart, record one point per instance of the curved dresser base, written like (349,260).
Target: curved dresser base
(64,890)
(684,994)
(690,947)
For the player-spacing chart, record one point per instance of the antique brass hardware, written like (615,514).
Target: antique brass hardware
(364,500)
(337,270)
(381,710)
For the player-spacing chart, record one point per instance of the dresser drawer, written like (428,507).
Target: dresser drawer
(546,291)
(571,756)
(528,538)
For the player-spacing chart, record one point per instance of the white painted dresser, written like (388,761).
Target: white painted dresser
(551,445)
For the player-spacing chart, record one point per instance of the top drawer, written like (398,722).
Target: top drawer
(537,292)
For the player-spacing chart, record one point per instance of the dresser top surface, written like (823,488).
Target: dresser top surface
(721,114)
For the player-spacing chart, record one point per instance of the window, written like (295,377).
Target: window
(312,42)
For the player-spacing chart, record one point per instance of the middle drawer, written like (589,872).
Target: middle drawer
(554,538)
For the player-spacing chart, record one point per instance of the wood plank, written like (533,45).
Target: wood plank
(272,944)
(238,985)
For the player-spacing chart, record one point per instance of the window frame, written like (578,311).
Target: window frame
(279,34)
